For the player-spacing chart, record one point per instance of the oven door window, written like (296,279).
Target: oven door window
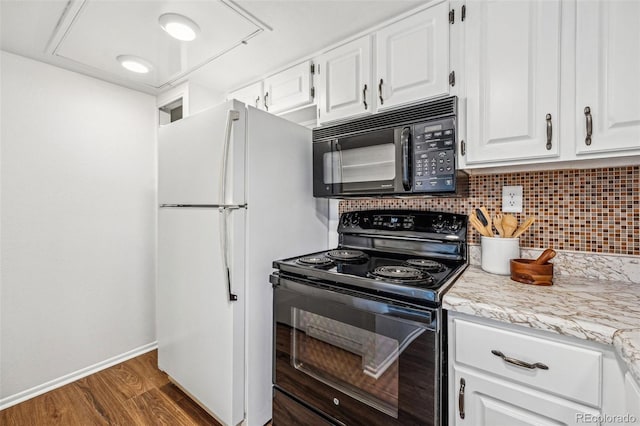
(343,358)
(359,362)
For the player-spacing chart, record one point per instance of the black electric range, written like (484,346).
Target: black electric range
(359,331)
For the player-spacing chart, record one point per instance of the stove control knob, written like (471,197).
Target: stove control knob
(355,219)
(346,218)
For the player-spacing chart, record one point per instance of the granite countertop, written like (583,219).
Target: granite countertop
(601,311)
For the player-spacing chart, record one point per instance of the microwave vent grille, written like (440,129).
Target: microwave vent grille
(431,110)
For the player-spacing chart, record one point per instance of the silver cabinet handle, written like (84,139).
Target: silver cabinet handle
(518,362)
(380,92)
(587,114)
(549,131)
(364,96)
(461,398)
(266,96)
(257,101)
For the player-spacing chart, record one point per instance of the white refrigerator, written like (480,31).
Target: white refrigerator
(235,193)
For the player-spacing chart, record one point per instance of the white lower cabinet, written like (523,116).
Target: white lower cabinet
(504,374)
(632,397)
(484,400)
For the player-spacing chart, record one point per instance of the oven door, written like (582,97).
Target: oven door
(355,358)
(375,163)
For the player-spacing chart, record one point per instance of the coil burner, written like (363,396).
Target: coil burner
(314,260)
(346,255)
(426,265)
(402,274)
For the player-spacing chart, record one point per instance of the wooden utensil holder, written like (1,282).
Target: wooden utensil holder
(526,272)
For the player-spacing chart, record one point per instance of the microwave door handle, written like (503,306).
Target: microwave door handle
(405,140)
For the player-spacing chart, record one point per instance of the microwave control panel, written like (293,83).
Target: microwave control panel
(434,156)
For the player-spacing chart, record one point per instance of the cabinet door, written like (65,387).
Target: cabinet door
(412,60)
(250,95)
(487,401)
(289,89)
(513,79)
(608,75)
(632,396)
(345,81)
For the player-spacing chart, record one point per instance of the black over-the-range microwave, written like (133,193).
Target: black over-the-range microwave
(409,151)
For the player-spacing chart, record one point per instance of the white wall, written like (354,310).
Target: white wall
(77,213)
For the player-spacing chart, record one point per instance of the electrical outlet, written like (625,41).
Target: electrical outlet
(512,199)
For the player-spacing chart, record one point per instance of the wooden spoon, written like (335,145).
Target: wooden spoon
(485,220)
(509,224)
(486,214)
(497,222)
(527,223)
(546,255)
(475,222)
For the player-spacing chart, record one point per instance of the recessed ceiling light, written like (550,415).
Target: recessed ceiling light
(134,64)
(179,26)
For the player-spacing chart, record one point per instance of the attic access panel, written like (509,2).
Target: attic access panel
(95,32)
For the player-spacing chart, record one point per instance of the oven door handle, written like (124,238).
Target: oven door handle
(405,140)
(425,317)
(360,301)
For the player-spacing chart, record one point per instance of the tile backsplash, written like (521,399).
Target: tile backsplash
(592,210)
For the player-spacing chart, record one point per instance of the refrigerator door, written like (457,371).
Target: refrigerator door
(192,165)
(283,220)
(201,340)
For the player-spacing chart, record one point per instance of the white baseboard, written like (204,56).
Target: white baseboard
(76,375)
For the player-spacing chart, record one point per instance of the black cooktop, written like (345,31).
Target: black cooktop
(407,275)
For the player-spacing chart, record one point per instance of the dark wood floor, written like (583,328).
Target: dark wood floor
(132,393)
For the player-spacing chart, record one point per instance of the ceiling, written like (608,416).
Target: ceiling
(239,41)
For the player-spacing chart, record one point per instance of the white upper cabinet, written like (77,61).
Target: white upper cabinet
(412,58)
(249,95)
(289,89)
(344,81)
(607,76)
(512,79)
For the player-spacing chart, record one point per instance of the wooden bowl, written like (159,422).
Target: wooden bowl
(526,272)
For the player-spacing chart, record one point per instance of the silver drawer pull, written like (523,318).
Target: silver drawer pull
(519,363)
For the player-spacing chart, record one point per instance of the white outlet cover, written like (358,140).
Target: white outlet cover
(512,199)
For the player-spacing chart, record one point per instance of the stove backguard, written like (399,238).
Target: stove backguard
(432,234)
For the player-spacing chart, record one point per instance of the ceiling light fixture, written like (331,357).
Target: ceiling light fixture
(134,64)
(179,26)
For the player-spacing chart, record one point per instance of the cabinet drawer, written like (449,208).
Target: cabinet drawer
(573,372)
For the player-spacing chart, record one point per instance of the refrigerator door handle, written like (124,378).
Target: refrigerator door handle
(232,115)
(223,248)
(204,206)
